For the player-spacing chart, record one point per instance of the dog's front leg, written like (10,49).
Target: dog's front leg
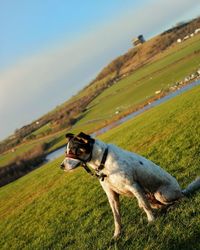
(113,199)
(138,192)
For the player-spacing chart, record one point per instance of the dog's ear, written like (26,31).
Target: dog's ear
(83,137)
(69,136)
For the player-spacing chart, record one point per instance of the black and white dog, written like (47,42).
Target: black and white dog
(126,173)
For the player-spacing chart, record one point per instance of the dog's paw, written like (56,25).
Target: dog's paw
(116,236)
(151,218)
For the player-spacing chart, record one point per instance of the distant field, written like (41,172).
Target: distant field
(43,129)
(169,67)
(9,156)
(56,140)
(50,209)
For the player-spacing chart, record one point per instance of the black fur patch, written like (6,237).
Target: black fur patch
(69,136)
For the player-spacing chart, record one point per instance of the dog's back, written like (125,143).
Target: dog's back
(140,169)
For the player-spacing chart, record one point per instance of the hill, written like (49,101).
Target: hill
(67,114)
(50,209)
(106,99)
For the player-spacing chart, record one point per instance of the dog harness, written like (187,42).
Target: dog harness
(97,173)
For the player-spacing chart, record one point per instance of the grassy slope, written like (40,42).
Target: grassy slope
(49,209)
(10,156)
(56,140)
(170,66)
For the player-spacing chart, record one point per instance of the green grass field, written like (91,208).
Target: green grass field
(170,66)
(51,209)
(55,141)
(10,156)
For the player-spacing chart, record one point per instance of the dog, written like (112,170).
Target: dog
(124,173)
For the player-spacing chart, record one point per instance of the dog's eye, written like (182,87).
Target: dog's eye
(81,151)
(73,151)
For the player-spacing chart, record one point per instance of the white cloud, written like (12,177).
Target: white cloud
(37,83)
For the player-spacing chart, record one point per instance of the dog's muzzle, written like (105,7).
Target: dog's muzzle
(69,164)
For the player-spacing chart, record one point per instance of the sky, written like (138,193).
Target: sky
(51,49)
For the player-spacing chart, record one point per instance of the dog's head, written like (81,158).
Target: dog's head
(79,150)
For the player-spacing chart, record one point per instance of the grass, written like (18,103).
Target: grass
(55,141)
(50,209)
(10,156)
(170,66)
(44,129)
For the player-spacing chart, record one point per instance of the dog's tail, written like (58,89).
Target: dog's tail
(192,187)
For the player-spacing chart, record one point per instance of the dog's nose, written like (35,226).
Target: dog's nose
(62,166)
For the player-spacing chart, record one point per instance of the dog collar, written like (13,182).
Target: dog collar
(103,160)
(97,173)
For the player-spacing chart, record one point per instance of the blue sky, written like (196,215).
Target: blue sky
(29,26)
(51,49)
